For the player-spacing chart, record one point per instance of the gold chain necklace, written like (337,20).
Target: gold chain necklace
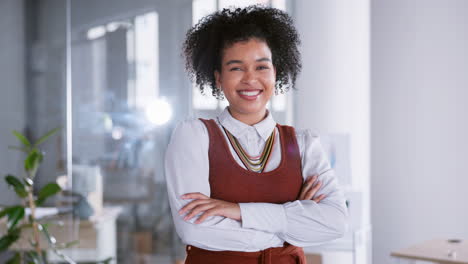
(255,164)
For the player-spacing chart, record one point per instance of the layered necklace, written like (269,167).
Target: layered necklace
(257,163)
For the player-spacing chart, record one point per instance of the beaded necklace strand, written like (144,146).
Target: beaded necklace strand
(258,163)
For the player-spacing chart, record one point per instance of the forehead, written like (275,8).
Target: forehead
(251,49)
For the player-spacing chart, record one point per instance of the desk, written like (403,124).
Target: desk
(441,251)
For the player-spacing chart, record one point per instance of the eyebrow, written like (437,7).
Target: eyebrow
(239,61)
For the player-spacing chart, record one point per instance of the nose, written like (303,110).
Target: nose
(248,77)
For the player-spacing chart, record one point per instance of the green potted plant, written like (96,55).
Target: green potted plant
(16,220)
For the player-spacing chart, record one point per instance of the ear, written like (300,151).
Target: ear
(217,78)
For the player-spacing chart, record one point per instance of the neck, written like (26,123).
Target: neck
(250,118)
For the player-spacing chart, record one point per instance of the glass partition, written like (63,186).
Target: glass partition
(125,57)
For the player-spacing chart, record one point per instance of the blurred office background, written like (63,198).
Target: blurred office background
(383,81)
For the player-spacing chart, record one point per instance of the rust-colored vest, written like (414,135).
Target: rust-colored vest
(231,182)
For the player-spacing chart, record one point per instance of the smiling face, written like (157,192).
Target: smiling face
(247,78)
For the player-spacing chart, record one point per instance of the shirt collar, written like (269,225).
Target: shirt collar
(238,129)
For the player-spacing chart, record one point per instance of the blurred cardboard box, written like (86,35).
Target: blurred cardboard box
(143,242)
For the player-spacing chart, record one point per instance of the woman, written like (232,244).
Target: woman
(243,189)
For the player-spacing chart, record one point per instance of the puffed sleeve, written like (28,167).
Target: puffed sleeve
(187,170)
(304,223)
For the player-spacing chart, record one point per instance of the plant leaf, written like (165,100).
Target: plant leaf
(66,258)
(15,214)
(46,225)
(50,239)
(69,244)
(32,160)
(47,191)
(35,259)
(3,212)
(106,261)
(17,185)
(8,239)
(16,259)
(5,242)
(46,135)
(22,138)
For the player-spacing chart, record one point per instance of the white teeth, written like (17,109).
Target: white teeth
(250,93)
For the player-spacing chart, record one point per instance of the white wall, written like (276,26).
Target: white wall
(419,128)
(333,94)
(333,88)
(12,90)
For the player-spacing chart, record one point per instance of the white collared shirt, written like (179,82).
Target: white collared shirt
(263,225)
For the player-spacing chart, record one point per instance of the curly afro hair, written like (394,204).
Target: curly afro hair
(206,41)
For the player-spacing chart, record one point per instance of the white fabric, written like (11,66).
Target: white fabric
(263,225)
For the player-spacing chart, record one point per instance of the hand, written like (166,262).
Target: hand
(309,190)
(210,206)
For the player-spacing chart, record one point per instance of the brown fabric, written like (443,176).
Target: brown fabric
(231,182)
(287,254)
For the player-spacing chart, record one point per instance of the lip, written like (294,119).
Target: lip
(248,97)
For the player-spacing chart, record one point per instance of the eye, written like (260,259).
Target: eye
(235,69)
(262,67)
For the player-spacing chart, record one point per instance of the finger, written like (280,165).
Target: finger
(197,210)
(320,198)
(305,188)
(307,194)
(191,205)
(205,215)
(312,191)
(195,195)
(307,184)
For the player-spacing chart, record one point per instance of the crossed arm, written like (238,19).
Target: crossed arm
(318,216)
(206,206)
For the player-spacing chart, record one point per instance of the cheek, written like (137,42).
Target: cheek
(229,81)
(269,81)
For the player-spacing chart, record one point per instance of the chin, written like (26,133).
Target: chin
(251,110)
